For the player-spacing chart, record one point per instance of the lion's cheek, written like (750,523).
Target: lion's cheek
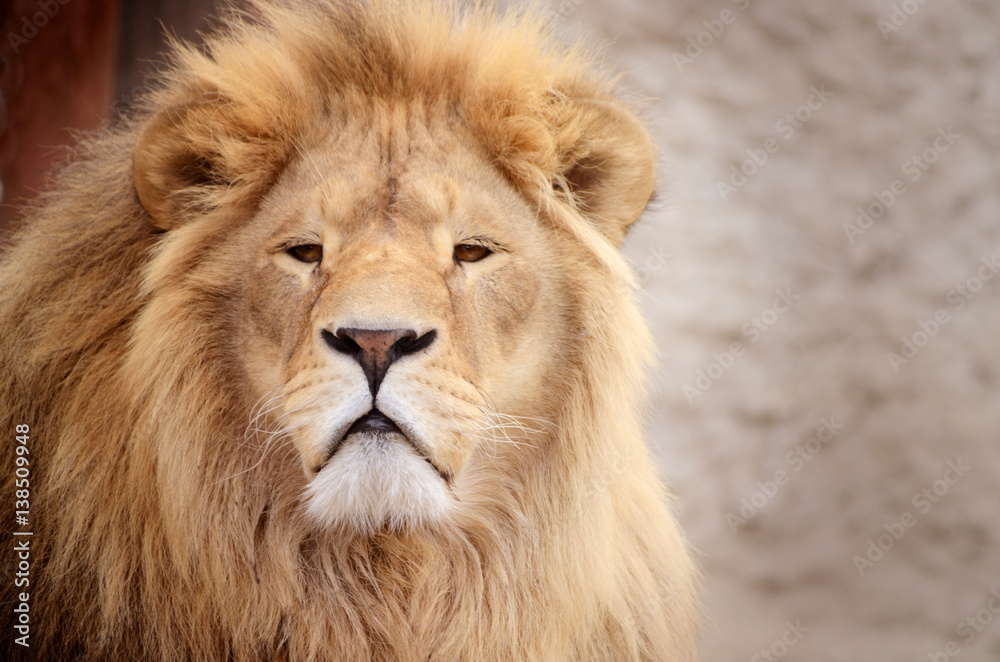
(273,299)
(512,331)
(268,314)
(510,295)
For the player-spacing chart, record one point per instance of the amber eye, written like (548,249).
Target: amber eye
(306,252)
(471,252)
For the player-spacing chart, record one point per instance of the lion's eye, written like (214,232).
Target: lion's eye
(471,252)
(306,252)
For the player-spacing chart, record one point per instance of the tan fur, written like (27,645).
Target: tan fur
(167,354)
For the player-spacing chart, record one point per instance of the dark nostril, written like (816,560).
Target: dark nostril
(411,344)
(341,342)
(377,349)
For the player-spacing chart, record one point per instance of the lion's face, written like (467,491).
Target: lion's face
(398,278)
(401,308)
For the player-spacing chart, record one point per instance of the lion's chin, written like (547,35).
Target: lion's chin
(377,481)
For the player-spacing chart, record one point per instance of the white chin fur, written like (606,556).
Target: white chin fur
(375,480)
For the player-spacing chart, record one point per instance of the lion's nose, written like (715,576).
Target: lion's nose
(377,349)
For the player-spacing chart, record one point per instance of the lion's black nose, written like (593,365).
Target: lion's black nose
(376,350)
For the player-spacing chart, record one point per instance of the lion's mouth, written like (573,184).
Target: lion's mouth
(377,423)
(373,421)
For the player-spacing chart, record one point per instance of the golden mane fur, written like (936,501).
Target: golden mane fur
(165,530)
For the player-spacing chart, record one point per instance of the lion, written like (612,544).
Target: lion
(328,352)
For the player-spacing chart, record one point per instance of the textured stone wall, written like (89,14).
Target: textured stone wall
(830,202)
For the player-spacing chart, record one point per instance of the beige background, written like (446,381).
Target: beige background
(710,266)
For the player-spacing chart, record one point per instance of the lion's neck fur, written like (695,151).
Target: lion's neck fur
(485,588)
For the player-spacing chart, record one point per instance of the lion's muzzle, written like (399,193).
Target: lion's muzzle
(376,350)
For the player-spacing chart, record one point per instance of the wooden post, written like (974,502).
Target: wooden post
(57,59)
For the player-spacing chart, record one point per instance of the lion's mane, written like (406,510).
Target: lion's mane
(159,535)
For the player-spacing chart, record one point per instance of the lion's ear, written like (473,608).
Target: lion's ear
(171,171)
(202,154)
(607,161)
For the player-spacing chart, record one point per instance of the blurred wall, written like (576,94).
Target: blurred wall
(831,202)
(142,38)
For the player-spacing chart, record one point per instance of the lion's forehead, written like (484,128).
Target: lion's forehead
(408,178)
